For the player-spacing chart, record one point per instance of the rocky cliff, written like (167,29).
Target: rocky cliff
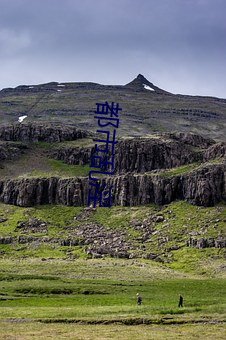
(215,151)
(38,132)
(205,186)
(139,166)
(142,155)
(136,155)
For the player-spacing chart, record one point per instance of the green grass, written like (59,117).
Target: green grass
(55,216)
(179,170)
(36,162)
(203,261)
(31,330)
(67,290)
(119,217)
(13,215)
(60,169)
(181,221)
(52,298)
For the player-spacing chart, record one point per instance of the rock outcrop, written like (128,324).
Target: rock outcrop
(218,242)
(142,155)
(138,165)
(11,151)
(73,155)
(215,151)
(37,132)
(191,139)
(136,155)
(205,186)
(150,154)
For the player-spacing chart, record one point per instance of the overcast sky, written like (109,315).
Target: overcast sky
(179,45)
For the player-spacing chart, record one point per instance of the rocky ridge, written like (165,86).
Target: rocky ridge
(136,155)
(204,186)
(139,166)
(38,132)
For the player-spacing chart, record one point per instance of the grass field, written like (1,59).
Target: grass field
(31,330)
(96,299)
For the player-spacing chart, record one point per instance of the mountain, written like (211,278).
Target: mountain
(146,108)
(140,83)
(163,234)
(169,189)
(57,125)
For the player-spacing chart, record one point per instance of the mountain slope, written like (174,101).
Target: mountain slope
(145,107)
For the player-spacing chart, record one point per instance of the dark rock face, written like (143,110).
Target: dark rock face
(192,139)
(137,155)
(216,150)
(10,151)
(29,192)
(205,186)
(35,133)
(73,156)
(218,242)
(6,240)
(147,155)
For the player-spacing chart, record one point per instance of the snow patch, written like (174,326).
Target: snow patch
(61,85)
(148,87)
(31,87)
(21,118)
(59,90)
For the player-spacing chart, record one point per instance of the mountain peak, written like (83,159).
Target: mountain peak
(140,83)
(141,77)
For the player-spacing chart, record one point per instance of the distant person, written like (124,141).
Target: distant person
(139,299)
(180,301)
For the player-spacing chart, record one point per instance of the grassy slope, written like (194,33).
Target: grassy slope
(35,162)
(181,219)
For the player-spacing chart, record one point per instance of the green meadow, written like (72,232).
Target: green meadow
(97,298)
(50,291)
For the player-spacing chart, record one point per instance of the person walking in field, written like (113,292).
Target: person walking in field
(180,301)
(139,299)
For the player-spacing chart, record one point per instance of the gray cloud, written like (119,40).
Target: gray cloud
(177,44)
